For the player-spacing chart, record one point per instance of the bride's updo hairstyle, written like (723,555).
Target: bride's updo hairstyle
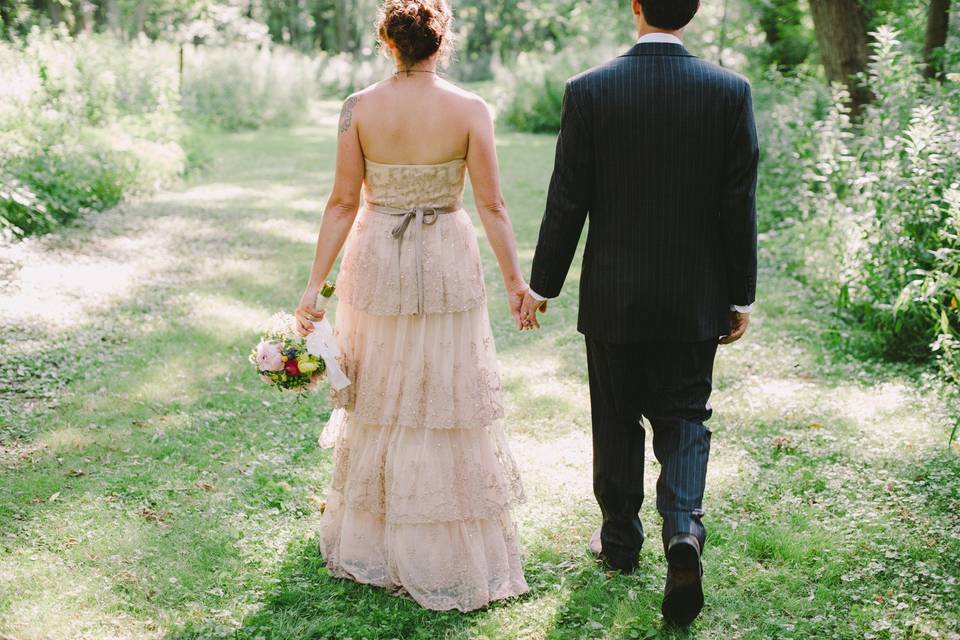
(416,29)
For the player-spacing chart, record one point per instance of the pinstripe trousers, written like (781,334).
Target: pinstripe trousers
(668,383)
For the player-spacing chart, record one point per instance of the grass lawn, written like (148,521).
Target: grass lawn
(152,487)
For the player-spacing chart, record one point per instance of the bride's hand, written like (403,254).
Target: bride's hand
(307,312)
(515,301)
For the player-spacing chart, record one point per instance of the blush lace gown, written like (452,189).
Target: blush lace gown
(423,479)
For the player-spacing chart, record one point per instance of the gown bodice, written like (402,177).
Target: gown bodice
(414,185)
(433,265)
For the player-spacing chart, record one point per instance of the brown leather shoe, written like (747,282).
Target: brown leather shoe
(683,592)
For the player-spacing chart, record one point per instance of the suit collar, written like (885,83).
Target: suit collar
(658,49)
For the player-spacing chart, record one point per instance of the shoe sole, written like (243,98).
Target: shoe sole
(686,598)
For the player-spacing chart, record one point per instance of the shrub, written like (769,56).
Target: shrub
(533,92)
(342,74)
(885,188)
(83,121)
(878,203)
(529,93)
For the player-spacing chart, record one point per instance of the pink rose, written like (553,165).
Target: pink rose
(269,357)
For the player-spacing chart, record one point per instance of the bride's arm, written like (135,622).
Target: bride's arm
(485,178)
(338,215)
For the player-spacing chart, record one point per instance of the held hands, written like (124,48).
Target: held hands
(307,312)
(738,327)
(523,306)
(528,312)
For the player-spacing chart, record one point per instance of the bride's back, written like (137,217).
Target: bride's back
(415,118)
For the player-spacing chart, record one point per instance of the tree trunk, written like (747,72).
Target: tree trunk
(83,11)
(842,36)
(54,11)
(938,22)
(346,26)
(111,10)
(139,18)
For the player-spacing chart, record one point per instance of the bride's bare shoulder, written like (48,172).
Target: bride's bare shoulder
(470,102)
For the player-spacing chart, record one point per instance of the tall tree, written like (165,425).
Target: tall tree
(842,36)
(108,16)
(346,25)
(139,18)
(83,13)
(938,22)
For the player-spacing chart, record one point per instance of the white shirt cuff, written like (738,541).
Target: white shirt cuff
(536,296)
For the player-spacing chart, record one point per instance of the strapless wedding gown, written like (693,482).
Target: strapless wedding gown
(423,478)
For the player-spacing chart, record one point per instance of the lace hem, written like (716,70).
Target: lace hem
(461,565)
(415,476)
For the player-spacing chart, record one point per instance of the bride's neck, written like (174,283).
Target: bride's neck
(420,68)
(413,71)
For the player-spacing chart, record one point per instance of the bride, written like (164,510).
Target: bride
(423,478)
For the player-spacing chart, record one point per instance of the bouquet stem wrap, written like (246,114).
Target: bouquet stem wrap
(323,343)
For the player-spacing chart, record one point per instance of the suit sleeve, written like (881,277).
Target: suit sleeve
(568,200)
(738,207)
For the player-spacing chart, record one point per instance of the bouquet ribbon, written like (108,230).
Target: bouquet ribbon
(323,343)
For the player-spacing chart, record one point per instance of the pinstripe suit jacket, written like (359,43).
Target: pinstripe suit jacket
(659,148)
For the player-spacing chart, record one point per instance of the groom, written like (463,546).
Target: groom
(659,148)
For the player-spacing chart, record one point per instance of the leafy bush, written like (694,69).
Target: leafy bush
(531,90)
(82,122)
(883,185)
(873,205)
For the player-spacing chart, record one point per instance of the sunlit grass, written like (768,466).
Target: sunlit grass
(159,490)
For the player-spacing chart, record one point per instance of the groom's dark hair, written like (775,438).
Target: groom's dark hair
(669,14)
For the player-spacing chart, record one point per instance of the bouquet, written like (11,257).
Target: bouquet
(285,359)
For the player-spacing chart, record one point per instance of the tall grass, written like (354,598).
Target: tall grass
(247,86)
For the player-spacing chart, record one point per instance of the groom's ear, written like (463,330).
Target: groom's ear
(635,6)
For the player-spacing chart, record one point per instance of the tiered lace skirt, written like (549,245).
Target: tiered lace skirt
(423,479)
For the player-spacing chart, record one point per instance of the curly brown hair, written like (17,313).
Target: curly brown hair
(417,29)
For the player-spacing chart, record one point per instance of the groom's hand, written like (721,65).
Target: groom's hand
(528,311)
(738,327)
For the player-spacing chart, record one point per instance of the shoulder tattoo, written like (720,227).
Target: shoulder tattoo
(346,114)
